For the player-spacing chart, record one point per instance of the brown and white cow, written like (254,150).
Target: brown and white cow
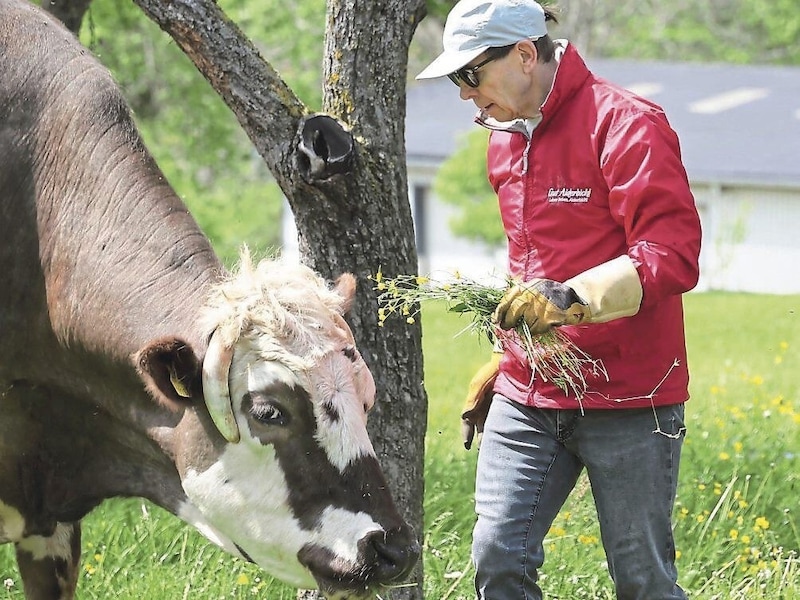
(132,365)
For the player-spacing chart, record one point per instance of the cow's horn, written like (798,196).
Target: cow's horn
(216,367)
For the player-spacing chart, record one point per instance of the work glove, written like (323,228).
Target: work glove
(479,397)
(542,304)
(603,293)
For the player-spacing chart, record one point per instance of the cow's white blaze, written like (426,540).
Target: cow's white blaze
(12,525)
(339,528)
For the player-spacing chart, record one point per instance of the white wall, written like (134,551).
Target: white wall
(751,240)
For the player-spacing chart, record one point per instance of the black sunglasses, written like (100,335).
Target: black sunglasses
(469,75)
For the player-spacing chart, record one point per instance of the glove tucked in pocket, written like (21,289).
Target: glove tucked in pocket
(478,400)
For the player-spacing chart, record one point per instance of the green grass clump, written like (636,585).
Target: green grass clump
(736,521)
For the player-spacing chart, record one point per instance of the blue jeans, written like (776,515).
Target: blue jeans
(529,461)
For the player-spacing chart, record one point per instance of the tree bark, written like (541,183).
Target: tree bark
(344,175)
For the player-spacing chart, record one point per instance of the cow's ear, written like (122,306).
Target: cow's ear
(171,371)
(346,287)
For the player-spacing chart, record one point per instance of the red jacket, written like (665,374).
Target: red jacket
(601,177)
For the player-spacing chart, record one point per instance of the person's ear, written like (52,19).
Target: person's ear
(527,53)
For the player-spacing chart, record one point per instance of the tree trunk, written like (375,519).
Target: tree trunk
(344,176)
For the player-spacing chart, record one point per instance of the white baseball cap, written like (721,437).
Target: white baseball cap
(474,26)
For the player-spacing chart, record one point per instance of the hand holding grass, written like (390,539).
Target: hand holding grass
(542,304)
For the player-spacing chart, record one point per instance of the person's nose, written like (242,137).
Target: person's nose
(466,92)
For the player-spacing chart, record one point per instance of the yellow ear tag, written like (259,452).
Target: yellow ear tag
(179,386)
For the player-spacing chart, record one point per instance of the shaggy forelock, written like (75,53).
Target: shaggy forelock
(278,298)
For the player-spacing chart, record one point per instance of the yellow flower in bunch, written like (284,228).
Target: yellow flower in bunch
(745,539)
(406,310)
(422,280)
(757,380)
(557,531)
(738,447)
(410,320)
(733,534)
(242,579)
(457,274)
(378,276)
(724,456)
(587,539)
(761,524)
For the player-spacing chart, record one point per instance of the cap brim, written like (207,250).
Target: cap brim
(447,62)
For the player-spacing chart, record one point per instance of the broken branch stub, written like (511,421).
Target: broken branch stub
(324,148)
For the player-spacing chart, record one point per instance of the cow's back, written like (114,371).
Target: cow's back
(98,251)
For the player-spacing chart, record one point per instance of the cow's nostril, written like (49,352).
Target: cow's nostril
(393,554)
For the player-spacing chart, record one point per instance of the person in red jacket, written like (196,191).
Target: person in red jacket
(603,240)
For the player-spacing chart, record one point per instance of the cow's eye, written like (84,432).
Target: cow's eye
(269,413)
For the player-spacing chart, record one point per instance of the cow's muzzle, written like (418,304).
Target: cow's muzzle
(384,558)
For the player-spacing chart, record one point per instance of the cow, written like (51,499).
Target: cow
(133,364)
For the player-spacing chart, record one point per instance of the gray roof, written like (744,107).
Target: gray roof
(736,123)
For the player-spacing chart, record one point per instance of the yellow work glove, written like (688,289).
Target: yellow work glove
(479,397)
(542,304)
(609,291)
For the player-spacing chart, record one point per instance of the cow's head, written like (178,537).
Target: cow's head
(276,462)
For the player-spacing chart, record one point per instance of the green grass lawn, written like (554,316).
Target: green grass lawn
(737,521)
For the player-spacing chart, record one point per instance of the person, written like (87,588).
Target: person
(603,240)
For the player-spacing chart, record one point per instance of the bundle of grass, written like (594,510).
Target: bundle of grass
(552,355)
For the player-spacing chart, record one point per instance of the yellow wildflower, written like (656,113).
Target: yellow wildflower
(762,523)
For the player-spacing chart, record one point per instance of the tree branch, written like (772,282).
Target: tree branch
(265,106)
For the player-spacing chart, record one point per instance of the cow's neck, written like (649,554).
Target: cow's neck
(67,473)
